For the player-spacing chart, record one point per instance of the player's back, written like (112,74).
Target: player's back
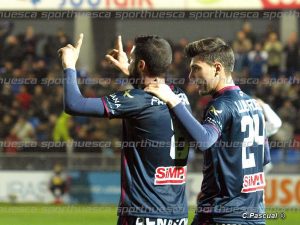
(233,180)
(153,172)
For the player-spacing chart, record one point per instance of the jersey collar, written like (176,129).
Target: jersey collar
(228,88)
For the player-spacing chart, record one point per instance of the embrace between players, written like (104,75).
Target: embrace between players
(153,178)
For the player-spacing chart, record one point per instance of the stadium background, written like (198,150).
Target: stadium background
(35,135)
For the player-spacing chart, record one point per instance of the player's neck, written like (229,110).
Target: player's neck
(151,80)
(226,82)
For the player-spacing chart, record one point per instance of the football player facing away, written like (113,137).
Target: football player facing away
(153,166)
(231,136)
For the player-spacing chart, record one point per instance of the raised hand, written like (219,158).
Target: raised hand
(69,54)
(118,57)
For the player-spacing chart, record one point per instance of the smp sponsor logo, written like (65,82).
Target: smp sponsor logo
(281,4)
(170,175)
(253,183)
(108,4)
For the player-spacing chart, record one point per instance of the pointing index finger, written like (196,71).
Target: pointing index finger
(79,42)
(119,44)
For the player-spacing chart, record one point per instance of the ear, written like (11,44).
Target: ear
(218,67)
(141,65)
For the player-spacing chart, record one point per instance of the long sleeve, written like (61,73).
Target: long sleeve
(74,103)
(273,122)
(205,135)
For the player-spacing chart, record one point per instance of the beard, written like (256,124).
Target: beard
(203,92)
(136,77)
(204,89)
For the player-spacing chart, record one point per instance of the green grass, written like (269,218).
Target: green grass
(36,214)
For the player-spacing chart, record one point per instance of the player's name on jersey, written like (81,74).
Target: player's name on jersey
(181,96)
(156,101)
(247,105)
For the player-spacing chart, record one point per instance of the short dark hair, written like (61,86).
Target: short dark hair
(155,51)
(210,50)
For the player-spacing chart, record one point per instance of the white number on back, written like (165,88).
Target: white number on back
(253,128)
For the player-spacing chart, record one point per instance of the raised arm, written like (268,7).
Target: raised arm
(74,103)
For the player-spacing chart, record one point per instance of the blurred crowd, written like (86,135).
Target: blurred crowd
(31,110)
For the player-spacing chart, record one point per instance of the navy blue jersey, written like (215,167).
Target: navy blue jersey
(233,178)
(154,155)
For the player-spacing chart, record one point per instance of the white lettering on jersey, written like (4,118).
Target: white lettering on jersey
(160,221)
(247,105)
(156,101)
(183,98)
(116,100)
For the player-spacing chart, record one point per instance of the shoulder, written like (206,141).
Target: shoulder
(130,95)
(219,103)
(216,108)
(223,105)
(126,103)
